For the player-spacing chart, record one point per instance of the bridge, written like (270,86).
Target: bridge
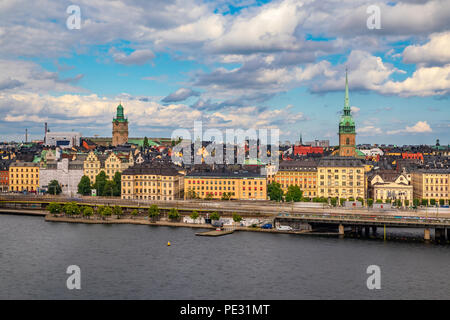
(316,216)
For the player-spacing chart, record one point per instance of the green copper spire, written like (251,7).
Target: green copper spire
(119,114)
(347,124)
(347,102)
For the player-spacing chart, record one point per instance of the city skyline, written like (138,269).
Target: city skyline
(229,65)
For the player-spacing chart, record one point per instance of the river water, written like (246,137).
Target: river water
(134,262)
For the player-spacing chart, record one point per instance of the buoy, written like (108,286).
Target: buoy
(168,243)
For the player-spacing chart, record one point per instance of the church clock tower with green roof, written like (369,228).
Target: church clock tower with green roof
(347,132)
(120,128)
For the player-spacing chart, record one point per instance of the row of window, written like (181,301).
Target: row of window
(25,182)
(140,190)
(12,169)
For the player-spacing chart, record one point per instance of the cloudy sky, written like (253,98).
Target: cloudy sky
(232,64)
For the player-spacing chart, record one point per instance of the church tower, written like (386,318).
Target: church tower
(120,128)
(347,132)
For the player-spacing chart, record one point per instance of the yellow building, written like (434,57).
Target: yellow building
(301,173)
(431,184)
(388,185)
(24,176)
(152,182)
(238,186)
(109,163)
(341,177)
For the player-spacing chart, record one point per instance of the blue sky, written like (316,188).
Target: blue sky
(232,64)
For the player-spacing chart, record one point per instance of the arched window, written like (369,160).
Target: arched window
(347,142)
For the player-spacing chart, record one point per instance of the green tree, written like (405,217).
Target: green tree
(88,211)
(369,202)
(236,217)
(194,216)
(294,194)
(333,202)
(153,212)
(215,216)
(208,196)
(107,211)
(342,201)
(108,191)
(174,214)
(416,202)
(406,203)
(54,187)
(100,183)
(146,145)
(84,186)
(379,201)
(54,208)
(351,199)
(117,179)
(425,202)
(275,192)
(71,209)
(117,210)
(191,194)
(134,213)
(226,196)
(441,202)
(433,202)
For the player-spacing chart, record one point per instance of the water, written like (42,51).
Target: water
(134,262)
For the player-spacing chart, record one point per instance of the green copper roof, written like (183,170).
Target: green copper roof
(119,114)
(346,124)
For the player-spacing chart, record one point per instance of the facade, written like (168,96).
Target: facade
(24,176)
(341,177)
(390,186)
(63,139)
(347,129)
(305,150)
(67,173)
(431,184)
(239,185)
(120,128)
(152,182)
(4,177)
(297,173)
(109,163)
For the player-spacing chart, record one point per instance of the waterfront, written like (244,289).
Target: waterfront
(134,262)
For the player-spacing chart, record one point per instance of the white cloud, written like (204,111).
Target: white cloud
(137,57)
(369,131)
(419,127)
(436,50)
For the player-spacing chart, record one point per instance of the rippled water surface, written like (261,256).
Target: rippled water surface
(134,262)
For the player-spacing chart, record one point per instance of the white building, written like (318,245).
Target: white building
(372,152)
(67,173)
(63,139)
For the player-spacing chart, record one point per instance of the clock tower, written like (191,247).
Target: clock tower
(120,128)
(347,132)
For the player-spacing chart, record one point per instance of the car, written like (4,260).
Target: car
(266,226)
(284,228)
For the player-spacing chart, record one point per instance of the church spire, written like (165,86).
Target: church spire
(347,102)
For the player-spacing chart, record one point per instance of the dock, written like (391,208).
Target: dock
(214,233)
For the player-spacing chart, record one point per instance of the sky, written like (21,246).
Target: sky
(235,64)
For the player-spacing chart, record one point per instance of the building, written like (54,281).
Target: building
(62,139)
(4,176)
(347,129)
(431,184)
(305,150)
(318,143)
(152,182)
(236,185)
(24,176)
(120,128)
(341,177)
(110,163)
(389,185)
(301,173)
(67,173)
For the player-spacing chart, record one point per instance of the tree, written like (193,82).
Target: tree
(117,179)
(107,211)
(425,202)
(351,199)
(342,201)
(54,187)
(275,192)
(134,213)
(194,216)
(416,202)
(236,217)
(88,211)
(293,194)
(432,202)
(333,202)
(100,211)
(109,189)
(84,186)
(406,203)
(174,214)
(191,194)
(71,209)
(117,210)
(54,208)
(379,201)
(441,202)
(208,196)
(226,196)
(146,145)
(215,216)
(100,182)
(153,212)
(369,202)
